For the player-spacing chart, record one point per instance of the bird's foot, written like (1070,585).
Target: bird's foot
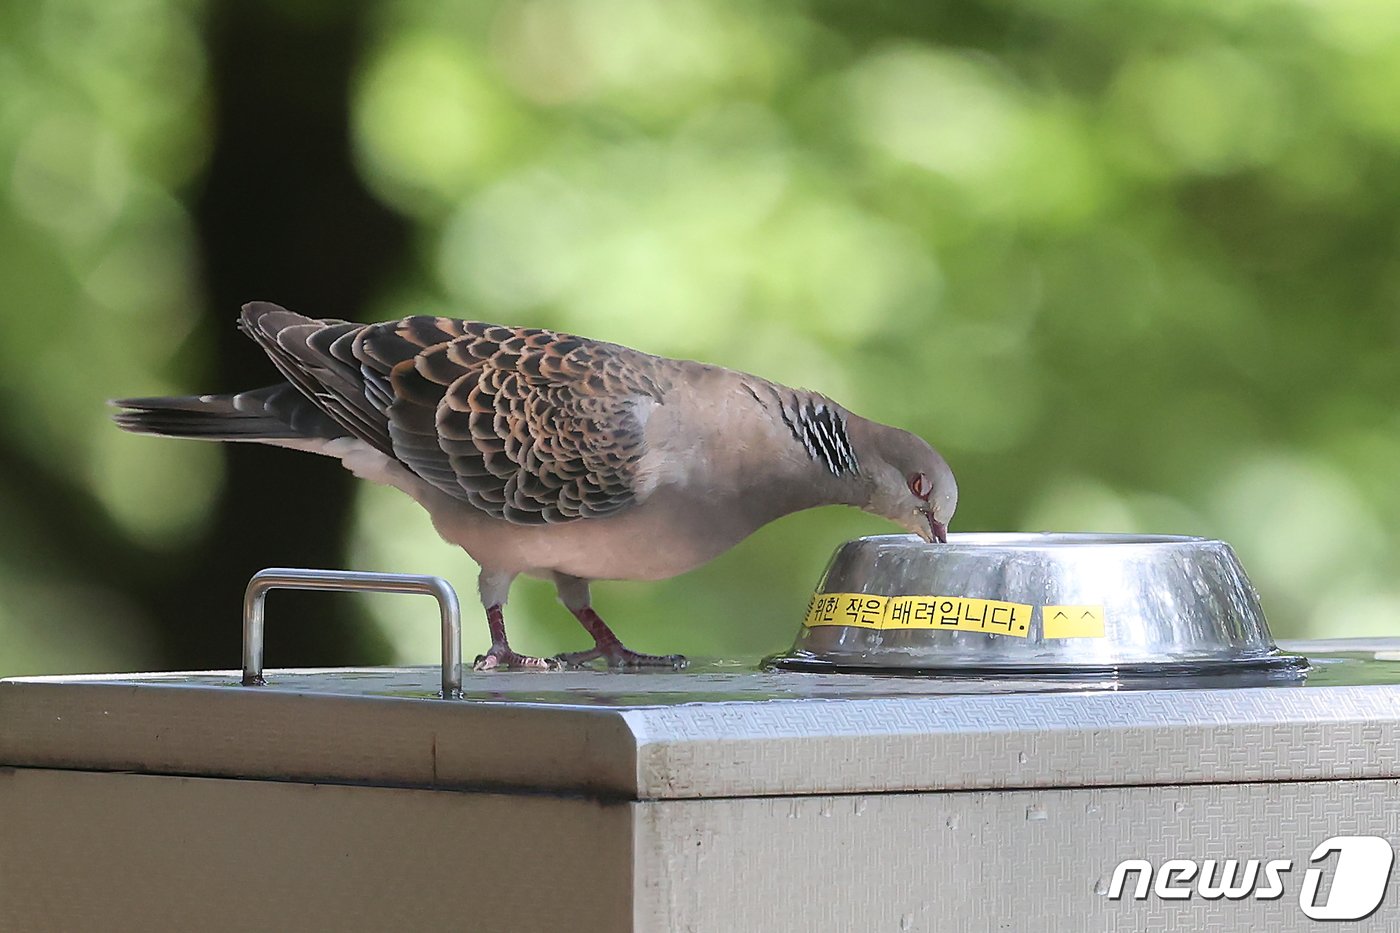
(610,648)
(502,657)
(618,655)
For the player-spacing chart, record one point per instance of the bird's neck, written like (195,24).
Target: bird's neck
(798,486)
(770,451)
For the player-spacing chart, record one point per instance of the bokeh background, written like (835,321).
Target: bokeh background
(1131,266)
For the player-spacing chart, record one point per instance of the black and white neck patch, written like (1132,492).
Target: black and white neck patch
(819,426)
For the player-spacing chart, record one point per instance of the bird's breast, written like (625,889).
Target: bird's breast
(665,536)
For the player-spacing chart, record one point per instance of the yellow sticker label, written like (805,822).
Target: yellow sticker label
(956,613)
(1073,621)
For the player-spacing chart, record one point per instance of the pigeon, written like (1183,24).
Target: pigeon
(560,457)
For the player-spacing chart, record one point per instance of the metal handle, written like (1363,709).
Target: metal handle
(351,581)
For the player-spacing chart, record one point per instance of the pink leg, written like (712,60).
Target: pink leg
(500,654)
(607,646)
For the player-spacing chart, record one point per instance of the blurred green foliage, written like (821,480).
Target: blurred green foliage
(1130,266)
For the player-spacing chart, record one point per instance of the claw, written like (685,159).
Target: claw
(502,657)
(618,656)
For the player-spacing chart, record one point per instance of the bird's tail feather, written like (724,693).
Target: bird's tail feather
(273,413)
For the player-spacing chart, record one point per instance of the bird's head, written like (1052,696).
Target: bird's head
(909,482)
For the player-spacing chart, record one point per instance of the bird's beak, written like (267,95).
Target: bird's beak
(937,531)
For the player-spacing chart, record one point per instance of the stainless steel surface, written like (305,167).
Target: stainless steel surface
(870,802)
(89,851)
(1153,603)
(83,852)
(1014,861)
(351,581)
(717,731)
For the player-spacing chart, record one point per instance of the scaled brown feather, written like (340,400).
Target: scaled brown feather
(527,425)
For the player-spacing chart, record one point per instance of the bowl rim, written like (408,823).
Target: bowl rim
(1275,662)
(1042,540)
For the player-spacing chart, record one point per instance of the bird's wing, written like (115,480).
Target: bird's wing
(316,357)
(527,425)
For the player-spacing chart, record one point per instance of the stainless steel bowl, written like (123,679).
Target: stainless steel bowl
(1037,604)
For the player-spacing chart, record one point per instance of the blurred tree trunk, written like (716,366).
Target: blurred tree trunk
(283,217)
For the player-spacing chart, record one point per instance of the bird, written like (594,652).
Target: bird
(555,456)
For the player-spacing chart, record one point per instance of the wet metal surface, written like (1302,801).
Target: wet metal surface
(745,682)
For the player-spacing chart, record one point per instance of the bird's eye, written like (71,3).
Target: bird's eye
(920,486)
